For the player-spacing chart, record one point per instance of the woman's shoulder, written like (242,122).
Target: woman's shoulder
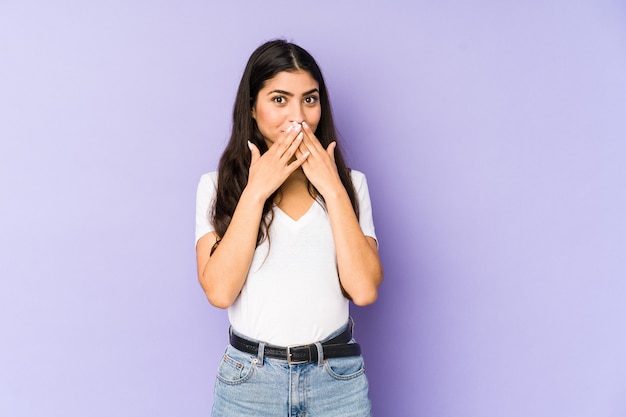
(357,177)
(208,178)
(207,186)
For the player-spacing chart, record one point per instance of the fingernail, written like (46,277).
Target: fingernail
(304,123)
(300,135)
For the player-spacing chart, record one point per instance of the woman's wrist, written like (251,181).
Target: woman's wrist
(253,196)
(335,191)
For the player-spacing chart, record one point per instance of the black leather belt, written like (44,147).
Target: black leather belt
(337,347)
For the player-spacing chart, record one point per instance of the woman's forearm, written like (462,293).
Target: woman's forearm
(223,274)
(359,266)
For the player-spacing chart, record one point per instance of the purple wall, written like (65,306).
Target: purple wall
(494,140)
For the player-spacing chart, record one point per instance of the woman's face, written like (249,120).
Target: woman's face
(286,98)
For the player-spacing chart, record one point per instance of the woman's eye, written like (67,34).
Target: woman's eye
(311,100)
(279,99)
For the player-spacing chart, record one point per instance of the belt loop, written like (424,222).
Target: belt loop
(320,354)
(261,353)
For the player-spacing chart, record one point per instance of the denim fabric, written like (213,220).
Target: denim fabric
(250,385)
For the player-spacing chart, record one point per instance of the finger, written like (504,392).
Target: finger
(311,141)
(289,136)
(300,159)
(308,129)
(282,142)
(294,146)
(254,151)
(331,150)
(302,151)
(302,148)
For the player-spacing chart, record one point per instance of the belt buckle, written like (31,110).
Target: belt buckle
(289,355)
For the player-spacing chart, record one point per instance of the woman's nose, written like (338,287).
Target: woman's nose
(297,115)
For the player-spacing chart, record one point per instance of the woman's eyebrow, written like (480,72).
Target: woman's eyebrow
(286,93)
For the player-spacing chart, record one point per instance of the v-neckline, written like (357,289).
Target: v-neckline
(299,219)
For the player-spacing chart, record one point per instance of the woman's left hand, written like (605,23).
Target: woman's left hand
(358,264)
(320,167)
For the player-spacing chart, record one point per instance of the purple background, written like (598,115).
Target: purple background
(493,136)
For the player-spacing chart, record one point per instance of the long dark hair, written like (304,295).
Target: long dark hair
(265,62)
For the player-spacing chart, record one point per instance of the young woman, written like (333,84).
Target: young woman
(284,239)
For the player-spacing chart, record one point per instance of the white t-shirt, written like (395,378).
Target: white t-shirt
(292,294)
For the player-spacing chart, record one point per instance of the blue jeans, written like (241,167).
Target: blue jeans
(252,385)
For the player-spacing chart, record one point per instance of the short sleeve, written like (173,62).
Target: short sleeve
(366,219)
(205,196)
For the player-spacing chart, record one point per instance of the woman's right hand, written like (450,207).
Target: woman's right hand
(223,273)
(270,170)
